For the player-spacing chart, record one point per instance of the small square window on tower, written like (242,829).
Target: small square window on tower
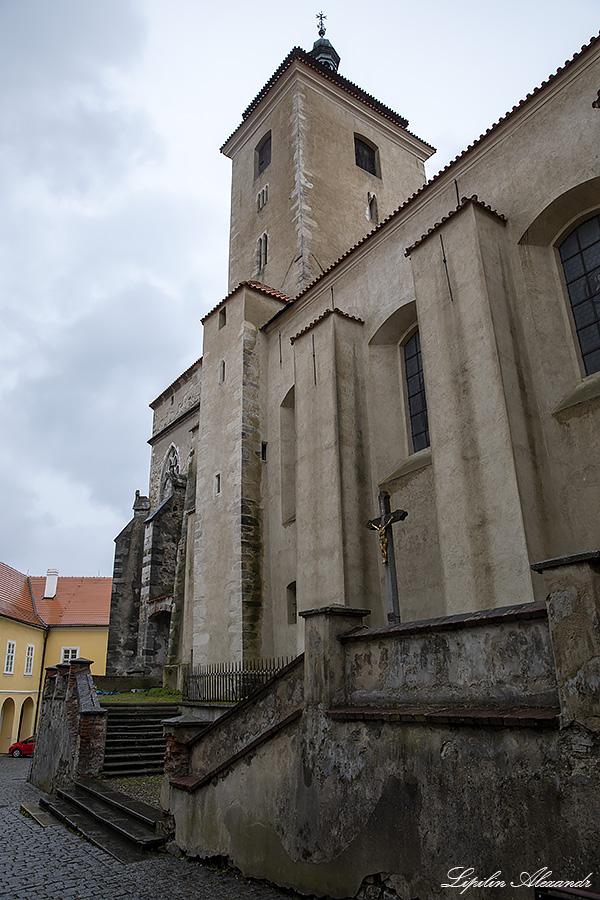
(263,154)
(217,484)
(366,155)
(222,317)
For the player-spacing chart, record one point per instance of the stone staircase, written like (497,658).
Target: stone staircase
(125,828)
(135,744)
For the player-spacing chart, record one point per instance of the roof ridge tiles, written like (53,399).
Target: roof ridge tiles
(258,286)
(465,201)
(297,53)
(324,315)
(528,97)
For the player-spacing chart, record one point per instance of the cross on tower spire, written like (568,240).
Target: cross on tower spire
(322,49)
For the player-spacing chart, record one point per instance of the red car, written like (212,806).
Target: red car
(23,748)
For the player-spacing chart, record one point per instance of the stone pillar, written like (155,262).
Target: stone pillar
(87,719)
(324,674)
(71,730)
(572,586)
(333,469)
(477,426)
(126,586)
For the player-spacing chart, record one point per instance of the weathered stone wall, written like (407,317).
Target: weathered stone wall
(326,804)
(253,718)
(493,659)
(71,729)
(162,535)
(416,750)
(126,587)
(174,428)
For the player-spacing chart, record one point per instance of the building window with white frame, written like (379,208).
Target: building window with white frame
(9,663)
(68,653)
(29,659)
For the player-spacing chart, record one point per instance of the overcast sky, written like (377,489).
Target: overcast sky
(115,207)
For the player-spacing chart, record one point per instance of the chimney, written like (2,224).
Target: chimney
(51,584)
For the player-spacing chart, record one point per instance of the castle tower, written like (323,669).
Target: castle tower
(317,164)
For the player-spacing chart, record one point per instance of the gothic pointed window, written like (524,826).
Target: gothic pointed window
(415,392)
(580,257)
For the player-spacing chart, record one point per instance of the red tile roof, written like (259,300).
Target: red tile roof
(15,597)
(262,288)
(78,601)
(306,59)
(328,312)
(465,201)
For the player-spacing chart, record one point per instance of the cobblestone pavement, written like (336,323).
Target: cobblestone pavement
(55,864)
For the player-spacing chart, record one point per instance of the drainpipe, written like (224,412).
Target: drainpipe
(46,633)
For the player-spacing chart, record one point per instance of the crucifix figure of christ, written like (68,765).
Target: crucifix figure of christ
(383,526)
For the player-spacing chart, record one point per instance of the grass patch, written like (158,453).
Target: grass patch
(153,695)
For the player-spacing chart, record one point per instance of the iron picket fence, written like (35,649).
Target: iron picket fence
(230,682)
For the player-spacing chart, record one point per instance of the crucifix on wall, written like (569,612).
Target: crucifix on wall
(383,526)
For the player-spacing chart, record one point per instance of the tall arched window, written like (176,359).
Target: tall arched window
(580,256)
(287,413)
(415,392)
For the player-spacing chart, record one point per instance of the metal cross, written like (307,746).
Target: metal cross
(321,17)
(386,544)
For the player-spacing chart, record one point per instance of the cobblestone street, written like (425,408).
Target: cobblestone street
(50,863)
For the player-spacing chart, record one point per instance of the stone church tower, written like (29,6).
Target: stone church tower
(316,164)
(380,335)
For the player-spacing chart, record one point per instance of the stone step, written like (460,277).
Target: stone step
(135,743)
(116,747)
(165,710)
(123,770)
(135,735)
(115,831)
(135,730)
(145,813)
(143,755)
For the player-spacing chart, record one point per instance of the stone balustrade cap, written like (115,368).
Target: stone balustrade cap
(336,609)
(570,559)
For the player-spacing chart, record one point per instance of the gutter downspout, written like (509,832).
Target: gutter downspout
(46,633)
